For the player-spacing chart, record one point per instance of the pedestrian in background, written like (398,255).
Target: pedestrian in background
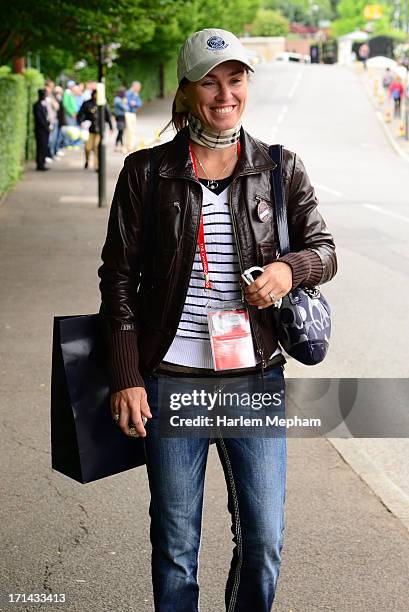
(89,112)
(212,219)
(58,94)
(52,110)
(70,104)
(120,109)
(396,91)
(71,135)
(78,91)
(364,52)
(134,103)
(387,79)
(41,129)
(89,88)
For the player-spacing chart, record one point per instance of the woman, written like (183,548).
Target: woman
(120,108)
(211,219)
(58,95)
(396,92)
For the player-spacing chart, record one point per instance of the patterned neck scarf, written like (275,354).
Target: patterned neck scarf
(212,139)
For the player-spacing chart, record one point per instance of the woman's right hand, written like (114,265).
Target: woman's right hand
(131,405)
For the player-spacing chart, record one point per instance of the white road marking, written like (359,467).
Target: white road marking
(282,115)
(388,213)
(296,83)
(338,194)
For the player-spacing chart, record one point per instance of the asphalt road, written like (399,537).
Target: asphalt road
(344,551)
(324,114)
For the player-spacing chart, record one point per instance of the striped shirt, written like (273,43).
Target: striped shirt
(191,345)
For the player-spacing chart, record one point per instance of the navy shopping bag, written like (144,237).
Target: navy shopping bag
(86,444)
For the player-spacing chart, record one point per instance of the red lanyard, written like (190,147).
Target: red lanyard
(203,254)
(201,237)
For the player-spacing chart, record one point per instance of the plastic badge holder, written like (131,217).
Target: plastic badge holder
(230,337)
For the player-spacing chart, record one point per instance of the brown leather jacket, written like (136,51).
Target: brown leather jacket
(143,323)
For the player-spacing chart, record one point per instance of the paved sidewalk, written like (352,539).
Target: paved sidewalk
(393,126)
(343,550)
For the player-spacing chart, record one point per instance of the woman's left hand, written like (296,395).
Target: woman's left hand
(276,280)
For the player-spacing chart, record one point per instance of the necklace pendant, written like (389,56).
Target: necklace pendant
(212,184)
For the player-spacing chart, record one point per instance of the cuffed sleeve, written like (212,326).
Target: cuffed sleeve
(124,360)
(306,267)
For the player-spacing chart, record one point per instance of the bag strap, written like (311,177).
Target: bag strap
(276,154)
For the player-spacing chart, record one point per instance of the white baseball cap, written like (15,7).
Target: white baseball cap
(205,50)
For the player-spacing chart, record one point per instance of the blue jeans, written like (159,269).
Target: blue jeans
(58,140)
(255,473)
(52,140)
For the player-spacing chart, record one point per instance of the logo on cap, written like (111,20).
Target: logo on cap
(216,43)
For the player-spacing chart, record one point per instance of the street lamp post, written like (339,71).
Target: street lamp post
(101,102)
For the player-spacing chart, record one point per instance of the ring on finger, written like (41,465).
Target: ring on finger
(133,432)
(272,297)
(116,417)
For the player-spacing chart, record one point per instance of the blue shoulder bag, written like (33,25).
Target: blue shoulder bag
(303,320)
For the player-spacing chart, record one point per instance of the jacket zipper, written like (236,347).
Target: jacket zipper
(256,337)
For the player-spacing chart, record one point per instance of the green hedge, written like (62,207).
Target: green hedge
(34,80)
(171,79)
(13,102)
(17,95)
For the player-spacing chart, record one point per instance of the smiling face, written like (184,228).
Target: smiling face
(220,97)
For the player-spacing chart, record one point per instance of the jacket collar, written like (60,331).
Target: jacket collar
(177,163)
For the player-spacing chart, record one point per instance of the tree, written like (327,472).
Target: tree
(307,12)
(401,15)
(269,23)
(230,15)
(77,26)
(351,18)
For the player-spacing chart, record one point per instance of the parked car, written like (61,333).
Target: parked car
(291,56)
